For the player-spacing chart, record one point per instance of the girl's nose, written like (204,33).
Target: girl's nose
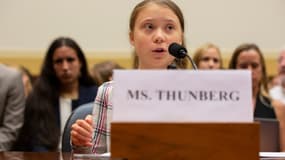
(159,36)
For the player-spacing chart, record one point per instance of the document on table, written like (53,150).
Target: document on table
(104,156)
(272,154)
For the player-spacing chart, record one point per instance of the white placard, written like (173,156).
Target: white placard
(182,96)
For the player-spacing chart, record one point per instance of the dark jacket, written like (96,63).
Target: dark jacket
(263,108)
(36,144)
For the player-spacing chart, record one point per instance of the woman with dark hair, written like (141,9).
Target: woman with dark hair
(64,83)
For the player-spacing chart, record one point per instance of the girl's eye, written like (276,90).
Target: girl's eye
(58,61)
(254,65)
(216,60)
(149,26)
(70,59)
(170,27)
(205,59)
(243,66)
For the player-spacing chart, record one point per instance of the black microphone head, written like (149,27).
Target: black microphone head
(177,50)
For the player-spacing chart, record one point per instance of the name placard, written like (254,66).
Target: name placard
(182,96)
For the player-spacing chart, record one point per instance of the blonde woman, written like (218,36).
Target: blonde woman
(208,56)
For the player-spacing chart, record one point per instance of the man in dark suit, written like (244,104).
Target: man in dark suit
(12,105)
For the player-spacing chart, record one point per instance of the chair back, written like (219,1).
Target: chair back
(79,113)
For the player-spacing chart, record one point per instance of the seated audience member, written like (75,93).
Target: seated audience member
(277,92)
(27,79)
(64,84)
(281,64)
(12,105)
(150,35)
(249,56)
(103,72)
(208,56)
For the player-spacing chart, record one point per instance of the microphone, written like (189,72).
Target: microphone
(180,52)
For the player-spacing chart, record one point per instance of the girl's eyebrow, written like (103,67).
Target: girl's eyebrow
(152,19)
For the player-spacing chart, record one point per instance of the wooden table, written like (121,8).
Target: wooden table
(58,156)
(45,156)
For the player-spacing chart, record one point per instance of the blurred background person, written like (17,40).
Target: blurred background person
(249,56)
(64,84)
(12,105)
(277,92)
(27,79)
(208,56)
(281,63)
(103,71)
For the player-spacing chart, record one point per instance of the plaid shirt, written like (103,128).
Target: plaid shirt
(102,114)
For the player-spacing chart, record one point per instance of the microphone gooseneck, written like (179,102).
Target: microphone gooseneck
(180,52)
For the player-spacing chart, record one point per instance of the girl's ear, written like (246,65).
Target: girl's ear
(131,38)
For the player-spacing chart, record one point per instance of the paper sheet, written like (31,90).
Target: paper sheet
(272,154)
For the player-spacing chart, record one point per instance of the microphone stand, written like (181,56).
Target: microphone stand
(192,62)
